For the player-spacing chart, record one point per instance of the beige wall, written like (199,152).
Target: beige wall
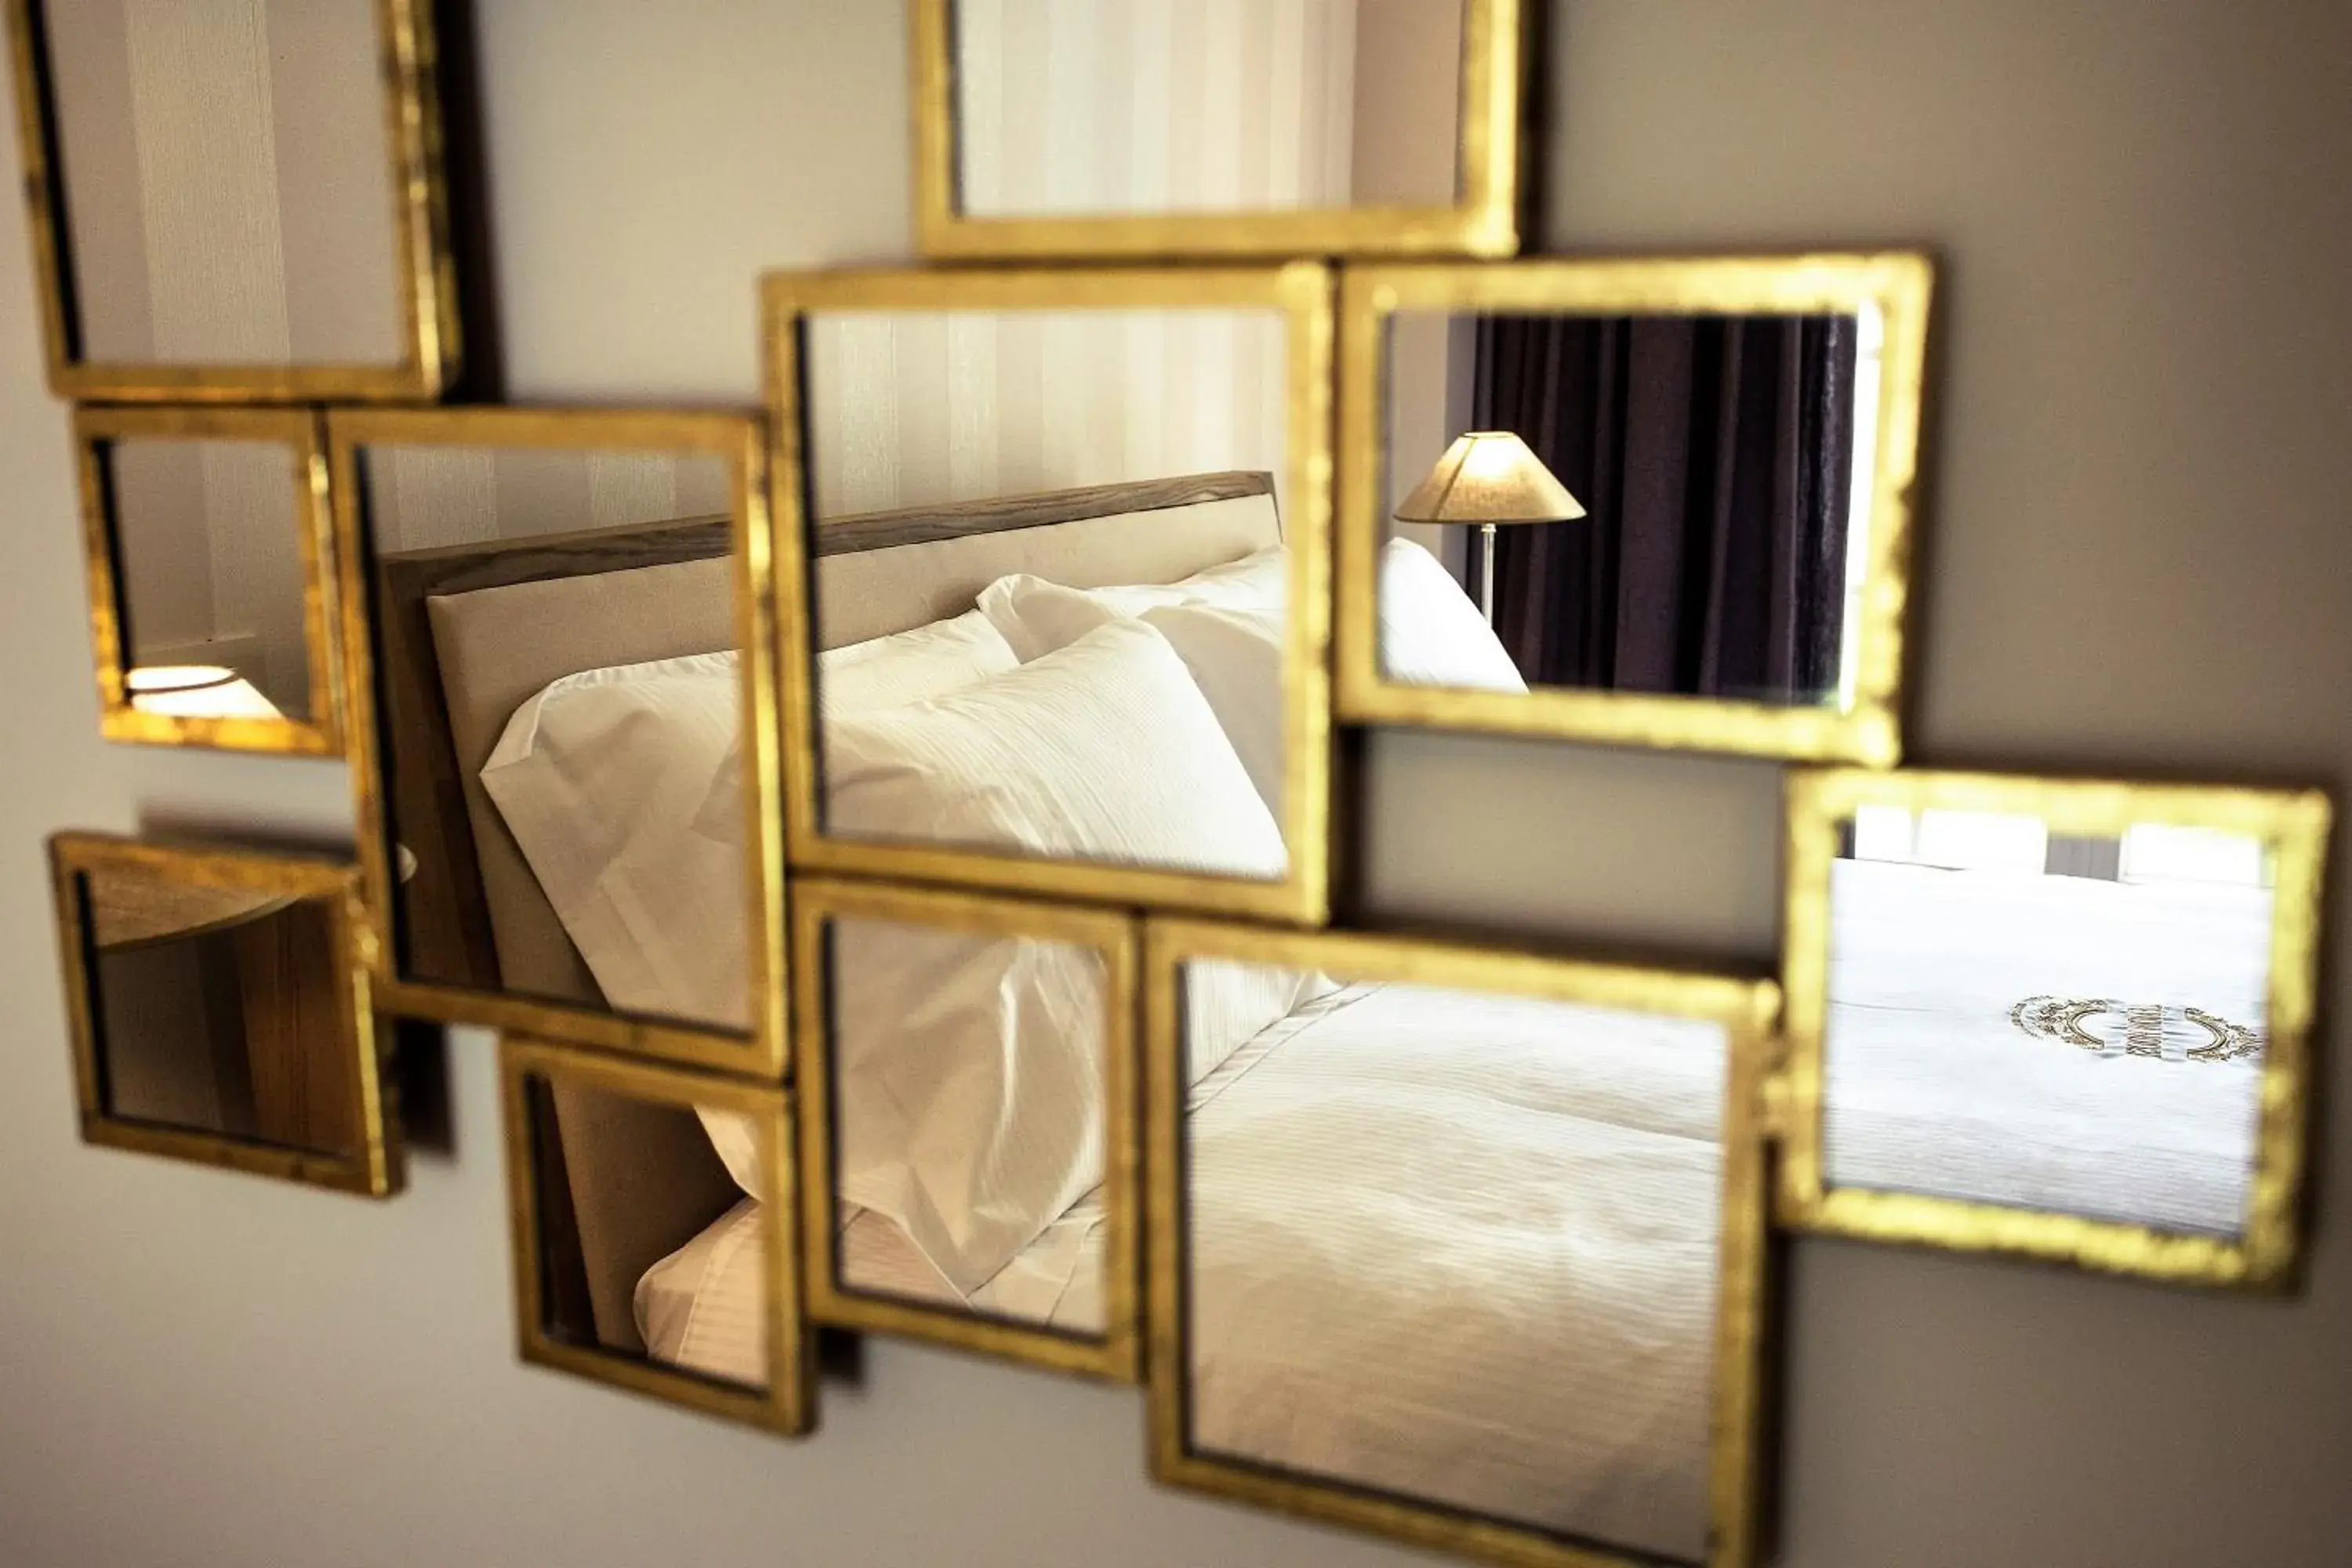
(2136,558)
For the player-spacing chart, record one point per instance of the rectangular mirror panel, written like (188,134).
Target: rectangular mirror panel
(556,632)
(1143,107)
(649,1246)
(212,576)
(1672,505)
(968,1064)
(650,1243)
(2065,1017)
(218,1015)
(1662,502)
(1055,526)
(2046,1020)
(222,1011)
(1458,1249)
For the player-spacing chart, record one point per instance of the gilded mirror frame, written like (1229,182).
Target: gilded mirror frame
(2293,825)
(1747,1011)
(425,267)
(739,441)
(378,1167)
(300,430)
(1115,1355)
(1898,285)
(788,1404)
(1484,219)
(1301,293)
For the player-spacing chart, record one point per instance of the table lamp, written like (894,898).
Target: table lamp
(1489,477)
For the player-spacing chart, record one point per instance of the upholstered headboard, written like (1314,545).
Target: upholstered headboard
(470,632)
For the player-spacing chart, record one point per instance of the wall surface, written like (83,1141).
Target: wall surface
(2135,559)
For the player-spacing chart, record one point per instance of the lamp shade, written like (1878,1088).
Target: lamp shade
(1489,476)
(196,690)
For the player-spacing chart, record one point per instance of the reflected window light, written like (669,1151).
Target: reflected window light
(2161,852)
(196,691)
(1952,840)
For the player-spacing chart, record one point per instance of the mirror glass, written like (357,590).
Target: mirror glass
(221,1010)
(560,703)
(2069,1024)
(968,1112)
(1666,504)
(1050,581)
(654,1242)
(1131,107)
(209,568)
(228,180)
(1455,1247)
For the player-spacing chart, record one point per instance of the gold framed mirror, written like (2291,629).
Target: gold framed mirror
(557,643)
(970,1122)
(652,1231)
(1060,538)
(1458,1245)
(1328,127)
(2064,1018)
(220,1012)
(1660,502)
(236,203)
(211,569)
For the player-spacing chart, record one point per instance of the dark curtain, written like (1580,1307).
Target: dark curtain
(1713,454)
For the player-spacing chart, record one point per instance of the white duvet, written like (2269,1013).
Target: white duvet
(1928,1087)
(1465,1247)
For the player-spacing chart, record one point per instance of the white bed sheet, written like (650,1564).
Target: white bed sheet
(1464,1248)
(1928,1087)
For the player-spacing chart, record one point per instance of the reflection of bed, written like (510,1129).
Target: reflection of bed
(473,632)
(1928,1087)
(1441,1243)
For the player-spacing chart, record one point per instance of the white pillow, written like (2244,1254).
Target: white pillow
(968,1085)
(1104,749)
(1235,657)
(906,667)
(880,672)
(1430,632)
(600,777)
(1037,616)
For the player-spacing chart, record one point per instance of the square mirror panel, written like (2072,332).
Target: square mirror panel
(966,1069)
(1459,1246)
(219,1013)
(652,1211)
(210,577)
(1210,127)
(2058,1017)
(559,744)
(1061,539)
(1656,502)
(238,200)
